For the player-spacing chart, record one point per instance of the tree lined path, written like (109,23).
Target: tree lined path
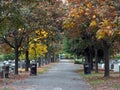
(62,76)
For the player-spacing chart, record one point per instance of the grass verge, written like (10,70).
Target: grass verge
(6,89)
(45,68)
(98,82)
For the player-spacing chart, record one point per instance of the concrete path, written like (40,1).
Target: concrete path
(60,77)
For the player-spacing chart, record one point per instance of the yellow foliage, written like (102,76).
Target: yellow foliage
(68,24)
(72,24)
(93,23)
(22,56)
(41,33)
(36,50)
(100,34)
(106,29)
(104,33)
(105,23)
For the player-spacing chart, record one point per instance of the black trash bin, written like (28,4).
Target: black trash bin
(33,69)
(5,70)
(87,69)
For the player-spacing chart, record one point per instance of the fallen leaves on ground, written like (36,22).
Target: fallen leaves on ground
(97,81)
(23,74)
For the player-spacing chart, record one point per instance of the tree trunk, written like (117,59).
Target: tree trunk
(27,60)
(48,57)
(91,61)
(96,60)
(39,62)
(52,59)
(90,57)
(106,59)
(42,64)
(16,60)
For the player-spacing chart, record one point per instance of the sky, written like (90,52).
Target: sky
(63,1)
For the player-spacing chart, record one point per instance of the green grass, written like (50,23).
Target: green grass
(95,82)
(93,74)
(6,89)
(1,57)
(117,86)
(93,78)
(46,68)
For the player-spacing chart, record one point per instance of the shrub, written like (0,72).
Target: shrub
(78,61)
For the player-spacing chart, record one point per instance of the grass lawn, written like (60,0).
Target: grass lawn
(45,68)
(6,89)
(98,82)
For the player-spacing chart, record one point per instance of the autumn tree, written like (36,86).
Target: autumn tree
(50,20)
(13,27)
(95,21)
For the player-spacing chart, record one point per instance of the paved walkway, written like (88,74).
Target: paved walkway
(60,77)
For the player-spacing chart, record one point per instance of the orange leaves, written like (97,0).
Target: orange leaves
(95,16)
(75,14)
(106,29)
(89,5)
(101,34)
(81,11)
(5,48)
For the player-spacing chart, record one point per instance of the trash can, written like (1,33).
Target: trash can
(33,70)
(112,66)
(5,70)
(87,69)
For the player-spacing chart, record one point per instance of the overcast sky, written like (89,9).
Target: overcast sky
(63,1)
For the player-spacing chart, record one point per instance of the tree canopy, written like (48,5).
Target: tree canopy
(94,22)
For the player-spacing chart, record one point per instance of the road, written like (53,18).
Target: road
(62,76)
